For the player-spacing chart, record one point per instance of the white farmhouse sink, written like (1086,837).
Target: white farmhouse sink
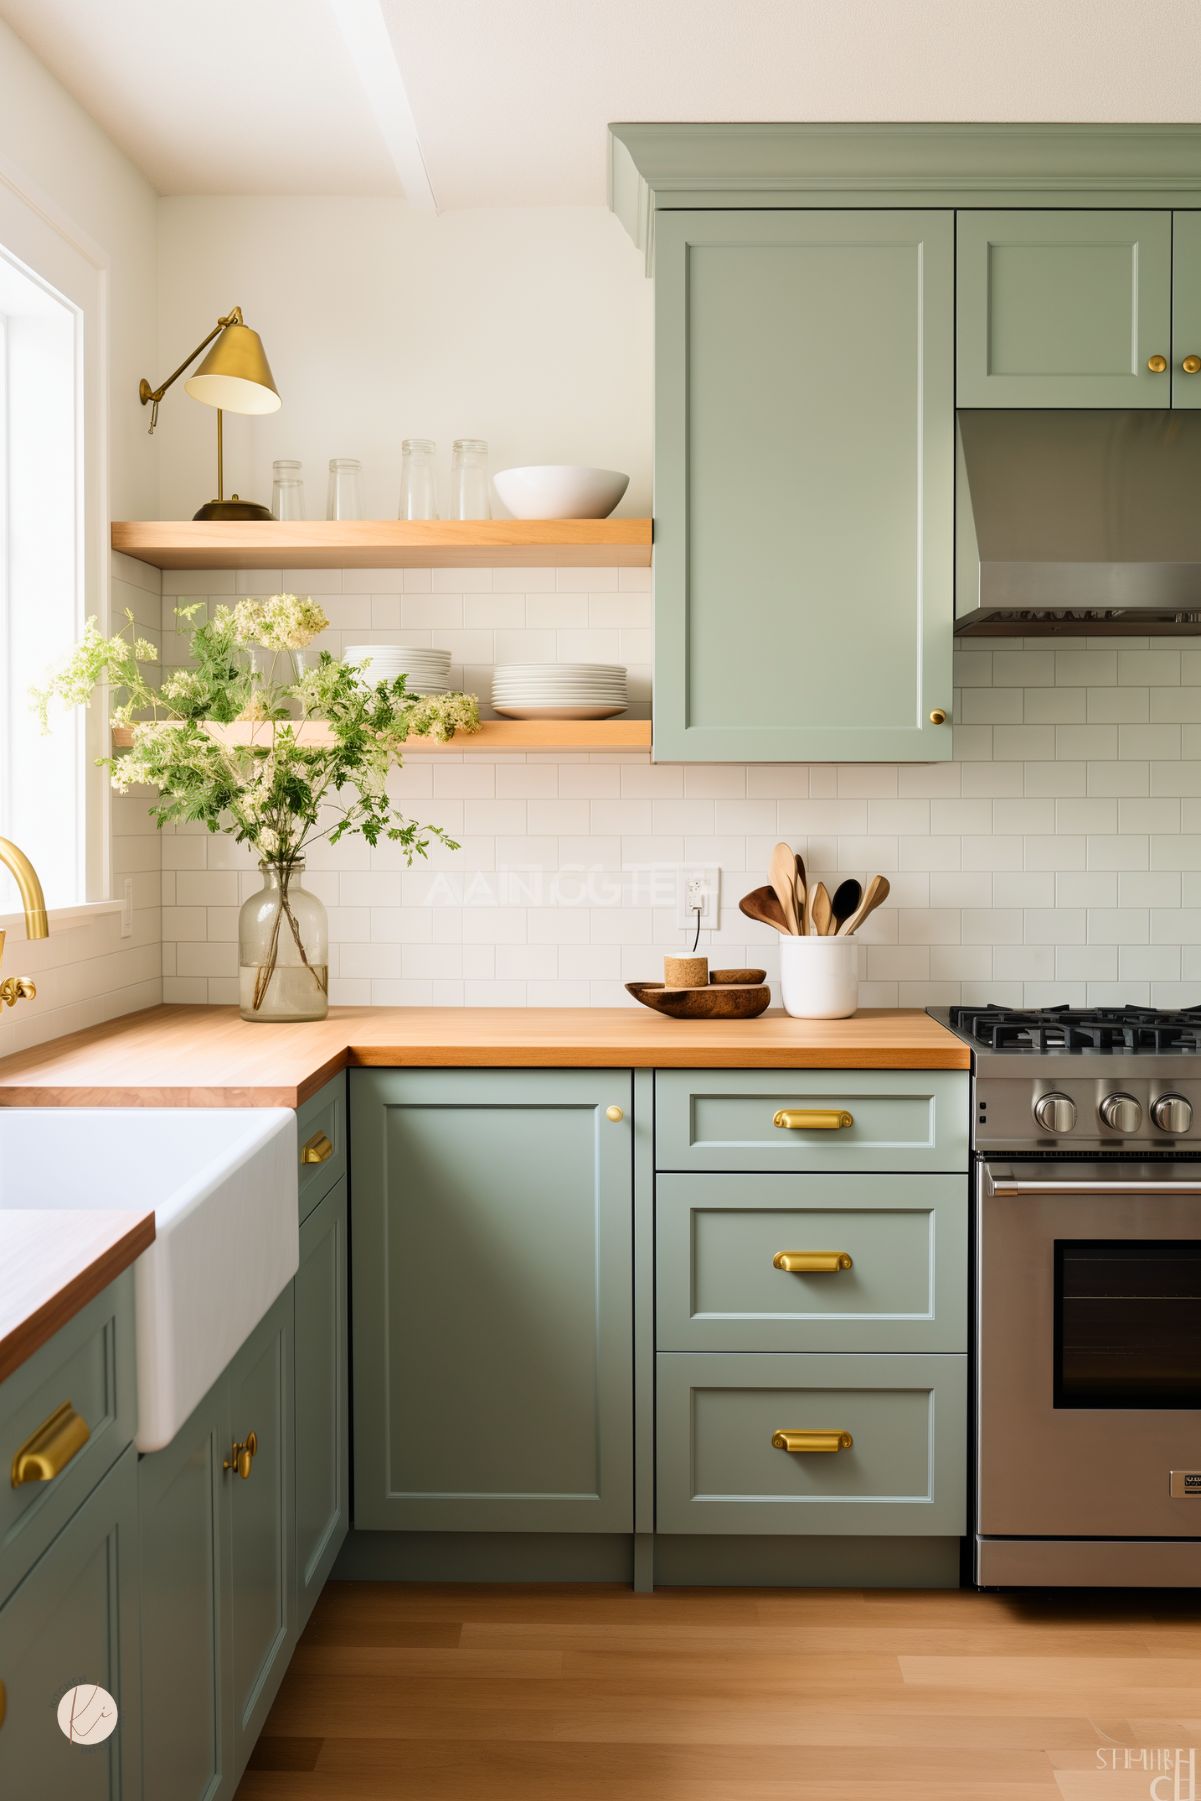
(222,1184)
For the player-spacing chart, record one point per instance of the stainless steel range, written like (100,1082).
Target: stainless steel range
(1087,1158)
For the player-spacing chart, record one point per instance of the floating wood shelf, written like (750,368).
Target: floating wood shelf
(384,543)
(495,736)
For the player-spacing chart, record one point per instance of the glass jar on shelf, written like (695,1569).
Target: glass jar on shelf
(418,481)
(287,489)
(345,488)
(469,479)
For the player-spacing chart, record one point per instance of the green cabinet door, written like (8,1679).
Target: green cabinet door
(1063,309)
(491,1248)
(1186,309)
(322,1399)
(261,1600)
(182,1492)
(73,1624)
(804,423)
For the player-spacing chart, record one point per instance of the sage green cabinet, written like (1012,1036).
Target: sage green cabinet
(1186,309)
(804,420)
(492,1266)
(1066,308)
(322,1398)
(74,1621)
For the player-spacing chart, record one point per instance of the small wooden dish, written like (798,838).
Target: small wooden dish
(730,995)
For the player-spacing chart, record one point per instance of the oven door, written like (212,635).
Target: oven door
(1088,1339)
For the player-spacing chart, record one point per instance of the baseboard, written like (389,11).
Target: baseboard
(486,1557)
(685,1561)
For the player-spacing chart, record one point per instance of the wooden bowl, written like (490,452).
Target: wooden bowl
(722,978)
(720,1000)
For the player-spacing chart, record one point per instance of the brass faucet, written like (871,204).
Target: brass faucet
(33,902)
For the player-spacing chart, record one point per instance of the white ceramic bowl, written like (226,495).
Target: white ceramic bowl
(560,491)
(819,977)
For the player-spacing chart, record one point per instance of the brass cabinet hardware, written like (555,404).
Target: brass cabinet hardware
(938,716)
(48,1451)
(17,988)
(318,1149)
(1157,364)
(811,1441)
(813,1119)
(615,1114)
(813,1263)
(1191,365)
(242,1460)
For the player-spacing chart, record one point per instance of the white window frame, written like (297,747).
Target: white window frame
(35,231)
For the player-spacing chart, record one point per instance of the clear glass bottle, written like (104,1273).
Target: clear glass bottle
(418,481)
(287,489)
(283,949)
(345,488)
(469,479)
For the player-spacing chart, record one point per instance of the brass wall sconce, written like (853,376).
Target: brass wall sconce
(236,377)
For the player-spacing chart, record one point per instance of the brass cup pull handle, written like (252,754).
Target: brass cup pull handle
(796,1442)
(48,1451)
(318,1149)
(813,1119)
(813,1263)
(1191,365)
(1157,364)
(242,1460)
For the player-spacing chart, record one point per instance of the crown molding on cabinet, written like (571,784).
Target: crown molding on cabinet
(654,167)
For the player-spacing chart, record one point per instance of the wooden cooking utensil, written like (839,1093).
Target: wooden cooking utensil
(847,897)
(783,880)
(801,885)
(823,914)
(877,891)
(761,904)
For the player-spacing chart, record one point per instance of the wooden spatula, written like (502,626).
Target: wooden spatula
(761,904)
(847,897)
(783,880)
(801,885)
(877,891)
(823,912)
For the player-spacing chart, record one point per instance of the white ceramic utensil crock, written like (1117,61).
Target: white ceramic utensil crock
(819,977)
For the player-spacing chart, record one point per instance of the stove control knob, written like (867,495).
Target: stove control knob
(1055,1112)
(1121,1113)
(1172,1114)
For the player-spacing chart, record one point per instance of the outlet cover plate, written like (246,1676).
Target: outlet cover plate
(710,880)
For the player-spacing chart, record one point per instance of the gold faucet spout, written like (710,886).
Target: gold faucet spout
(33,901)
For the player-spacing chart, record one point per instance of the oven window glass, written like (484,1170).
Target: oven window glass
(1127,1323)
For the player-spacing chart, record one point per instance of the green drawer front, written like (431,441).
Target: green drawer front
(323,1114)
(905,1473)
(90,1364)
(719,1290)
(903,1120)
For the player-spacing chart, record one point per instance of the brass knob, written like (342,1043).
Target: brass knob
(615,1114)
(1157,364)
(242,1459)
(1191,365)
(938,716)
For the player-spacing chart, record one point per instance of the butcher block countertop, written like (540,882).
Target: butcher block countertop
(182,1056)
(52,1263)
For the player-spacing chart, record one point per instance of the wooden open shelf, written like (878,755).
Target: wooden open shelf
(384,543)
(495,736)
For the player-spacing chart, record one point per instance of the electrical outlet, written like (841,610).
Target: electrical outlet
(127,907)
(698,887)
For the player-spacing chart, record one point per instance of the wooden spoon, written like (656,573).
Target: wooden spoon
(822,911)
(847,897)
(761,904)
(801,885)
(783,880)
(877,891)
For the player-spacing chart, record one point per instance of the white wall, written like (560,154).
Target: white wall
(54,155)
(530,328)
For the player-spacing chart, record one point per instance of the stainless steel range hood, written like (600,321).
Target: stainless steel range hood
(1075,522)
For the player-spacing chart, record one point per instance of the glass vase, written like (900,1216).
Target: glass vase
(283,949)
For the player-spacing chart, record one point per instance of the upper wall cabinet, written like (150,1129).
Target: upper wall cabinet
(1079,309)
(804,418)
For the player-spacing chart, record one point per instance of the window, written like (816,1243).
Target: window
(53,557)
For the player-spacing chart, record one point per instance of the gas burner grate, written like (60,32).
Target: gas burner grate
(1128,1030)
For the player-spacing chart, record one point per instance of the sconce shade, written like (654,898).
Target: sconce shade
(235,374)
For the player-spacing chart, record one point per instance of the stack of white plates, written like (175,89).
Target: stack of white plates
(428,671)
(559,690)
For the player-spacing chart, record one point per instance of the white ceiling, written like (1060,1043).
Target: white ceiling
(505,102)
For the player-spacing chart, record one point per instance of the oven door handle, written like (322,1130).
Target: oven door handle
(1006,1190)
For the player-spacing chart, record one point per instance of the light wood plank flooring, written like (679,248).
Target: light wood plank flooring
(453,1693)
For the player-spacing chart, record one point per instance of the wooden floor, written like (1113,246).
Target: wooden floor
(584,1694)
